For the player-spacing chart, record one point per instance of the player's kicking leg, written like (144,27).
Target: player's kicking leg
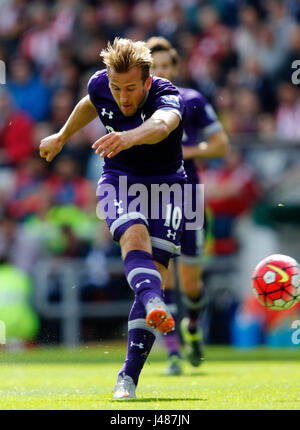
(148,313)
(171,340)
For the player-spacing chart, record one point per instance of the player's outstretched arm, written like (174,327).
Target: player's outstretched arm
(216,146)
(154,130)
(83,113)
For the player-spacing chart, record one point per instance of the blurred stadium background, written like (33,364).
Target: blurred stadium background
(61,276)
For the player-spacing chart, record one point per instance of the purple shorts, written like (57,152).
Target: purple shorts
(192,246)
(156,202)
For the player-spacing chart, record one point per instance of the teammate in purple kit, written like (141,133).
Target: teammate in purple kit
(143,117)
(200,119)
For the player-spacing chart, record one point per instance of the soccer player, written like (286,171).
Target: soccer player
(200,119)
(143,117)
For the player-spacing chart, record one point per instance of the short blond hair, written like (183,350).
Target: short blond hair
(124,54)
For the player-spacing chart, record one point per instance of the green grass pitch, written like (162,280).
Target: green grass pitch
(83,378)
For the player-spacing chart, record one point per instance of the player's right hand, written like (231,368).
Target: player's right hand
(113,143)
(51,146)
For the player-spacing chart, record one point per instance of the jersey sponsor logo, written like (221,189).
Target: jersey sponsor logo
(171,100)
(282,273)
(110,113)
(109,128)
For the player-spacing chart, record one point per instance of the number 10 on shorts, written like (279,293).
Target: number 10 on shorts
(173,216)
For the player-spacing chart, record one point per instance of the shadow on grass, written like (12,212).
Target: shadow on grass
(115,354)
(185,373)
(163,399)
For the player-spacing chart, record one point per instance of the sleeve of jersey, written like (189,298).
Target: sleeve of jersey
(91,86)
(170,100)
(206,117)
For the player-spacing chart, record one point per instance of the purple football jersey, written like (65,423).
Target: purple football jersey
(200,119)
(162,158)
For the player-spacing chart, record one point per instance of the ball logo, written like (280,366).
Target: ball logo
(282,273)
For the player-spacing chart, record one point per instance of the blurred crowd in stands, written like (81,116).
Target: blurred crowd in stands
(238,53)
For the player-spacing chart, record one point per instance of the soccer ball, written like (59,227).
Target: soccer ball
(276,282)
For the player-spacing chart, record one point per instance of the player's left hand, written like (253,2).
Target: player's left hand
(113,143)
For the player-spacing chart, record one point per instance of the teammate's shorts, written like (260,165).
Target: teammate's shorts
(155,202)
(193,241)
(192,246)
